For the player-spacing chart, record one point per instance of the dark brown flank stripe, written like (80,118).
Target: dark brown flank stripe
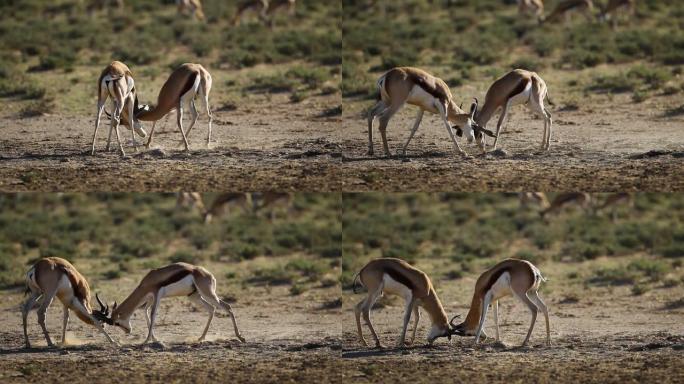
(174,278)
(519,89)
(398,276)
(189,83)
(80,295)
(494,278)
(441,96)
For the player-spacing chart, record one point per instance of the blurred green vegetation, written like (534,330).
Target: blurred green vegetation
(460,233)
(44,39)
(473,39)
(129,232)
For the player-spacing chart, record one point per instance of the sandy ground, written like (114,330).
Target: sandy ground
(288,339)
(592,149)
(270,145)
(609,335)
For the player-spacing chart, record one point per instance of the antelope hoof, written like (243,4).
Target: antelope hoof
(242,339)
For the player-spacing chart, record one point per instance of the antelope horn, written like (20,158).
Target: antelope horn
(103,308)
(451,322)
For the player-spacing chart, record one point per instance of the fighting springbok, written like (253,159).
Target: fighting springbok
(178,279)
(516,87)
(116,81)
(414,86)
(182,87)
(55,277)
(564,8)
(194,7)
(561,200)
(397,277)
(510,277)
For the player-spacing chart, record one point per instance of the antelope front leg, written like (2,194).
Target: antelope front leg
(153,316)
(416,124)
(407,319)
(100,108)
(442,112)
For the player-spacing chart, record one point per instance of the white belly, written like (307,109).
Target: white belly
(394,287)
(524,96)
(422,99)
(182,287)
(502,287)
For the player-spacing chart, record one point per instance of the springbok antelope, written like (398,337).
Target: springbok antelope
(182,86)
(609,12)
(615,199)
(263,200)
(53,276)
(510,277)
(516,87)
(414,86)
(116,81)
(190,199)
(194,7)
(264,9)
(259,7)
(535,7)
(178,279)
(564,8)
(536,198)
(561,200)
(397,277)
(224,199)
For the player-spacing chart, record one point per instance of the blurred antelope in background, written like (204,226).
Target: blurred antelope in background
(614,200)
(533,7)
(190,199)
(264,9)
(263,200)
(221,201)
(533,198)
(178,279)
(610,11)
(565,7)
(55,277)
(562,200)
(397,277)
(194,7)
(511,277)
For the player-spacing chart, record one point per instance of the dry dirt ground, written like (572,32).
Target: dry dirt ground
(607,335)
(605,146)
(273,144)
(289,339)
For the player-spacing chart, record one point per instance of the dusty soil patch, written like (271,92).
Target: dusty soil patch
(603,147)
(283,147)
(600,335)
(289,339)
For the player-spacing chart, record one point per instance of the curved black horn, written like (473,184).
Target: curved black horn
(103,308)
(451,322)
(473,108)
(109,115)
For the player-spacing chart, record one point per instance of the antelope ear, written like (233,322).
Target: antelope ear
(114,307)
